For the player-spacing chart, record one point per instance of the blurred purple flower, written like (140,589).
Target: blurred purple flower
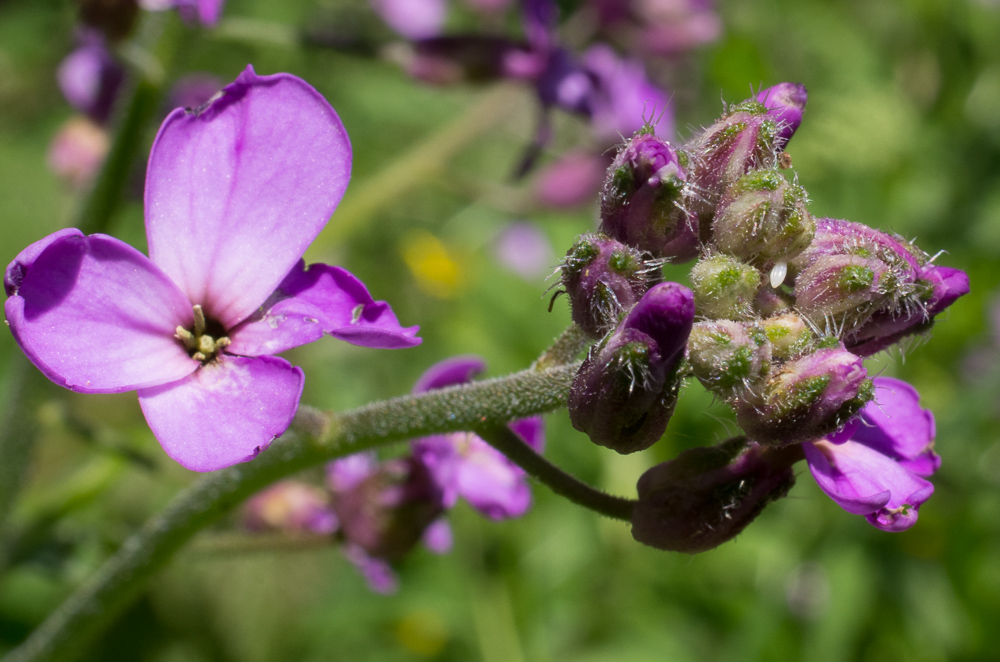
(291,506)
(90,78)
(205,12)
(876,465)
(524,249)
(624,100)
(413,19)
(572,180)
(464,465)
(194,90)
(234,195)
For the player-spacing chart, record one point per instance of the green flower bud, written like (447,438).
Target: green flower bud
(724,287)
(728,357)
(790,336)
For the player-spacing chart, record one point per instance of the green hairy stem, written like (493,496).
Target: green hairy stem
(315,438)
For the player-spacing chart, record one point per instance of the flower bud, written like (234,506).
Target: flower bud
(939,287)
(706,496)
(785,102)
(386,512)
(762,218)
(836,237)
(640,201)
(809,397)
(790,336)
(845,289)
(603,278)
(724,287)
(743,140)
(624,394)
(770,301)
(727,357)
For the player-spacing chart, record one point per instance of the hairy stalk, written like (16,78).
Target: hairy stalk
(564,349)
(563,484)
(315,438)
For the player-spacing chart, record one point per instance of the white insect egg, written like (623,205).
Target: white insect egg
(778,273)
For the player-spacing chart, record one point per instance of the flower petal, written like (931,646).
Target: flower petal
(236,190)
(895,424)
(864,482)
(95,315)
(309,302)
(378,574)
(438,537)
(531,430)
(450,372)
(491,483)
(224,413)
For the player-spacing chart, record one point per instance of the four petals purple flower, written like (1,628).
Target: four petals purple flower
(235,193)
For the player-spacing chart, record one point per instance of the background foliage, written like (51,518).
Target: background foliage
(902,132)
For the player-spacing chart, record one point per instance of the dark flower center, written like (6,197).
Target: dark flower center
(206,340)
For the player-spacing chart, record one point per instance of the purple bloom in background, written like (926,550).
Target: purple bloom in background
(235,193)
(524,249)
(876,465)
(77,151)
(194,90)
(90,78)
(466,466)
(624,99)
(206,12)
(413,19)
(572,180)
(291,506)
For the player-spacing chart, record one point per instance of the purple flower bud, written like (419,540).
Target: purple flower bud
(642,196)
(624,394)
(386,512)
(706,496)
(836,237)
(790,336)
(603,278)
(728,357)
(845,289)
(90,79)
(762,218)
(786,103)
(743,140)
(724,288)
(771,301)
(808,398)
(941,287)
(290,506)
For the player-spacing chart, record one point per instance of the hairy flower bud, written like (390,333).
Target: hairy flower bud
(387,511)
(809,397)
(727,357)
(844,289)
(743,140)
(624,394)
(706,496)
(641,202)
(790,336)
(603,278)
(939,287)
(785,102)
(724,288)
(763,218)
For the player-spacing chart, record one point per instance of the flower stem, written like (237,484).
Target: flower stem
(508,443)
(315,438)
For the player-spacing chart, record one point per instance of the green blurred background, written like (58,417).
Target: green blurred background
(902,132)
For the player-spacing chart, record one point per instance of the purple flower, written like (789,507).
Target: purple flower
(785,102)
(413,19)
(876,464)
(193,90)
(291,506)
(77,151)
(206,12)
(523,248)
(90,78)
(234,195)
(624,99)
(466,466)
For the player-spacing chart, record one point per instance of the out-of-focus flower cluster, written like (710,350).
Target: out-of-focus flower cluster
(782,310)
(381,510)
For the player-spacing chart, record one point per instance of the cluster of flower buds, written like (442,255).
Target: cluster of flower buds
(785,308)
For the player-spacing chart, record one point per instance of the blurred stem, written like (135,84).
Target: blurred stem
(504,440)
(314,438)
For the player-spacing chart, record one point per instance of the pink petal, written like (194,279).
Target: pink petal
(224,413)
(438,537)
(450,372)
(95,315)
(235,193)
(896,425)
(414,19)
(378,574)
(321,299)
(863,481)
(491,483)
